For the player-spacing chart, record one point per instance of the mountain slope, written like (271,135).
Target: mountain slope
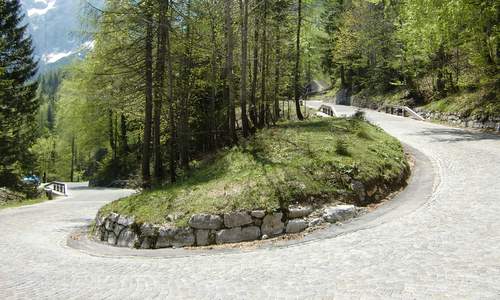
(57,30)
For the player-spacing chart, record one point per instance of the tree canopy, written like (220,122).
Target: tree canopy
(18,104)
(170,81)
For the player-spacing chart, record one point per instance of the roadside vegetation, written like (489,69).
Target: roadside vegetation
(167,83)
(9,199)
(479,103)
(310,162)
(443,54)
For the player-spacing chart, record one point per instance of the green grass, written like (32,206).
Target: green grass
(294,162)
(24,202)
(477,103)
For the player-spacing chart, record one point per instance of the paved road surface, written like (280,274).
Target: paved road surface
(448,248)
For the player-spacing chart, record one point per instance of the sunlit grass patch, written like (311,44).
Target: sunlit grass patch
(293,162)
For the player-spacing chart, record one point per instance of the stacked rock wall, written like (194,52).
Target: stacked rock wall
(239,226)
(209,229)
(490,123)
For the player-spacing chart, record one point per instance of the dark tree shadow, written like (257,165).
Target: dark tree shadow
(451,135)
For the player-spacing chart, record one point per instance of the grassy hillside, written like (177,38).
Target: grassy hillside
(295,162)
(468,103)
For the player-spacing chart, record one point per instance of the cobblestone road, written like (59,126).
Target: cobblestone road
(448,248)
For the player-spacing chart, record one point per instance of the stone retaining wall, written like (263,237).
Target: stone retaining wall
(209,229)
(240,226)
(490,123)
(478,122)
(8,196)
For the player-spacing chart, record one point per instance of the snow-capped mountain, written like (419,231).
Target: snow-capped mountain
(57,30)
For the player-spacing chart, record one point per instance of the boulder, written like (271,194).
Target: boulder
(316,222)
(339,213)
(169,236)
(148,243)
(236,219)
(258,214)
(257,222)
(202,237)
(111,238)
(296,225)
(125,221)
(205,221)
(148,230)
(237,234)
(148,236)
(127,238)
(113,217)
(299,212)
(272,224)
(359,188)
(117,229)
(109,225)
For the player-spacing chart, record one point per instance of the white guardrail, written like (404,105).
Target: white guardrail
(327,111)
(57,188)
(403,111)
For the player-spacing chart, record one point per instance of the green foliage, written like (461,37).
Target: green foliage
(110,169)
(92,97)
(481,103)
(432,49)
(342,148)
(18,104)
(295,162)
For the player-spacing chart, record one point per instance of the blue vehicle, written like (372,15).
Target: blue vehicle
(32,179)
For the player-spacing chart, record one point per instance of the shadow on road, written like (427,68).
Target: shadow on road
(450,135)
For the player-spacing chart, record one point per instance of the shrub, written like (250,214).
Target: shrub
(111,169)
(341,147)
(30,190)
(362,133)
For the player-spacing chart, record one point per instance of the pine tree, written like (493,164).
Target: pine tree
(18,104)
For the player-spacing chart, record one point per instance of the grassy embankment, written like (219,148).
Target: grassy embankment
(295,162)
(23,202)
(481,102)
(468,104)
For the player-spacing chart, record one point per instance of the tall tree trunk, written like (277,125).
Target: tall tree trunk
(148,109)
(159,86)
(276,113)
(73,158)
(244,59)
(255,68)
(111,135)
(343,83)
(263,95)
(213,80)
(171,103)
(123,135)
(229,71)
(183,131)
(296,78)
